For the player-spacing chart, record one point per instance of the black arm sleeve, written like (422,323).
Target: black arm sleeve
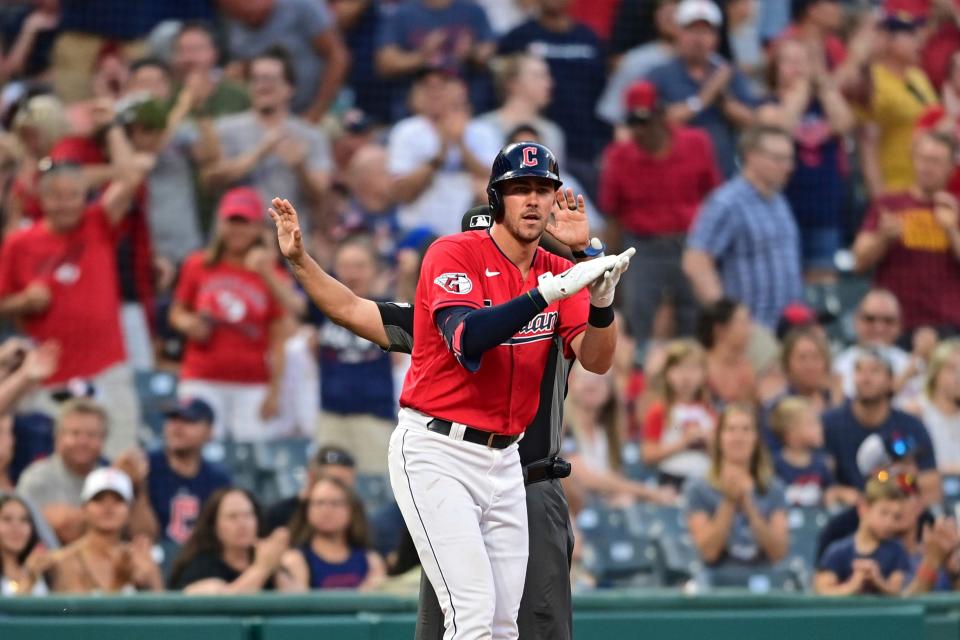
(397,318)
(470,332)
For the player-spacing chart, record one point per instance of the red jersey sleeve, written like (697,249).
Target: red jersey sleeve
(573,319)
(449,278)
(275,310)
(189,281)
(653,422)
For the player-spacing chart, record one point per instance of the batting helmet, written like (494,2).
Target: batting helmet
(520,160)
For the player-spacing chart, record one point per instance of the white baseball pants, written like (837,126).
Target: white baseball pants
(465,507)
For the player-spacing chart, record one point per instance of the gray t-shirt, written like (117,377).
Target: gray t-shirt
(48,481)
(293,25)
(742,548)
(242,132)
(172,199)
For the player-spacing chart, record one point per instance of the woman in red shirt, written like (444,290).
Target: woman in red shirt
(230,312)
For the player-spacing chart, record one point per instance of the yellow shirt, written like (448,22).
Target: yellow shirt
(895,104)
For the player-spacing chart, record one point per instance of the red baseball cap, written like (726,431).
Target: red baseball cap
(241,202)
(641,100)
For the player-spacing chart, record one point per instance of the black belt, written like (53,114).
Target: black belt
(546,469)
(476,436)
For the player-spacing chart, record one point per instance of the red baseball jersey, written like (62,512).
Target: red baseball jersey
(502,396)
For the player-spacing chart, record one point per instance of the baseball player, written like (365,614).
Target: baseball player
(470,508)
(545,609)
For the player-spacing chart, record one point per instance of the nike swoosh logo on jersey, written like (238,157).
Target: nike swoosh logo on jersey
(490,274)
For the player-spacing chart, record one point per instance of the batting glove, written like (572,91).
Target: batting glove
(554,288)
(602,289)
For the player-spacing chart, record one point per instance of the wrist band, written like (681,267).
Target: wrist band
(539,302)
(601,317)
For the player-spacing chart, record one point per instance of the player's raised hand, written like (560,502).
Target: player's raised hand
(289,236)
(602,289)
(569,224)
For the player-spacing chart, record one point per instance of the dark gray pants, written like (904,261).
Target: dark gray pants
(656,276)
(546,612)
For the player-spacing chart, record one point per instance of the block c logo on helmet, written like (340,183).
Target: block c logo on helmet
(529,157)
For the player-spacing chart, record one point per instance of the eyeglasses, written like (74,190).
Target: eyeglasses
(870,318)
(319,504)
(779,158)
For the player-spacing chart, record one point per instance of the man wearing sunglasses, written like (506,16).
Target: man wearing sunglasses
(877,325)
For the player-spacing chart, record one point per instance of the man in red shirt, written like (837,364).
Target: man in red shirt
(58,279)
(487,308)
(912,239)
(653,185)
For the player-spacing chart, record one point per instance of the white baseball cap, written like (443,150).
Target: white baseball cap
(107,479)
(690,11)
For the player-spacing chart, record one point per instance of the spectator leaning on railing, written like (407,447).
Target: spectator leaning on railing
(331,541)
(99,561)
(872,560)
(23,559)
(223,555)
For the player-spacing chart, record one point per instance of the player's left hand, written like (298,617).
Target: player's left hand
(602,289)
(570,224)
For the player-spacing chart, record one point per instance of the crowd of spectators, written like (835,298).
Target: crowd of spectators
(765,158)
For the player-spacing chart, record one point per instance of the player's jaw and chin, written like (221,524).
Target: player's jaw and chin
(517,218)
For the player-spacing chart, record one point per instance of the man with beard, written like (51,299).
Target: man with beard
(180,480)
(870,411)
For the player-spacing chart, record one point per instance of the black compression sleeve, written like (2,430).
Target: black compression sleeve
(470,332)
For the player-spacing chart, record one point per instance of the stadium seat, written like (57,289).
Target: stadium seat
(624,561)
(755,579)
(667,528)
(164,553)
(374,490)
(633,466)
(805,524)
(157,390)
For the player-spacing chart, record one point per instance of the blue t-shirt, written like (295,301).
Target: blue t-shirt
(741,548)
(413,21)
(839,556)
(816,187)
(577,63)
(348,574)
(356,376)
(370,91)
(126,20)
(675,84)
(844,435)
(805,485)
(177,500)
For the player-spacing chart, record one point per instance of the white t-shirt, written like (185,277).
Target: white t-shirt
(944,432)
(440,207)
(845,363)
(688,463)
(6,588)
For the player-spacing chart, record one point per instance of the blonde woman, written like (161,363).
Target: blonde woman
(939,405)
(595,424)
(737,514)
